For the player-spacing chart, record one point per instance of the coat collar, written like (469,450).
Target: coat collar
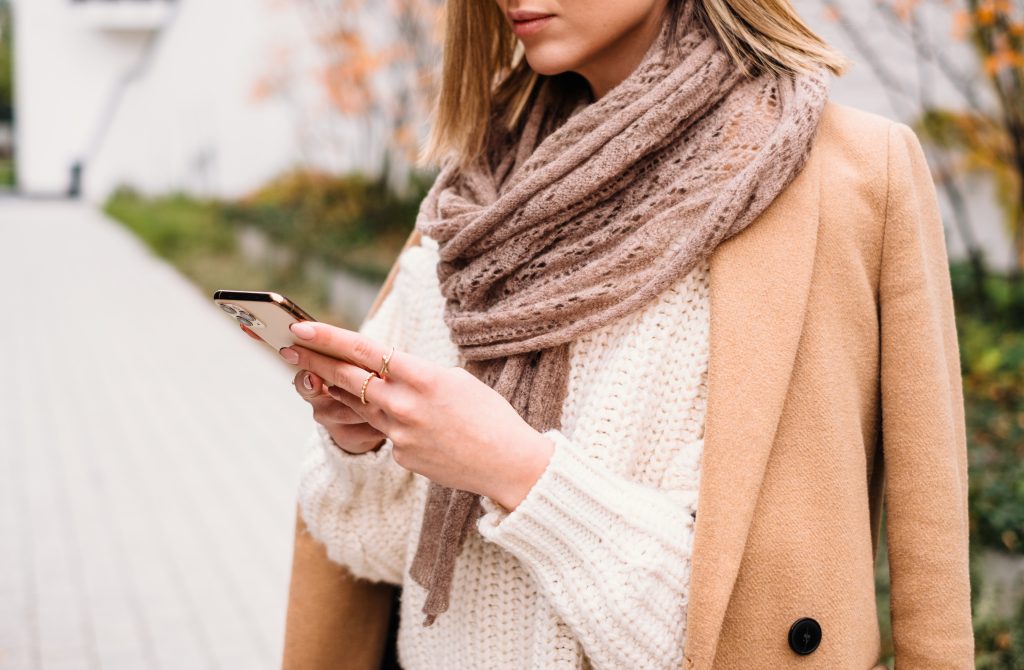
(759,285)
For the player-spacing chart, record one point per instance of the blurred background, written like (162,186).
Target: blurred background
(153,151)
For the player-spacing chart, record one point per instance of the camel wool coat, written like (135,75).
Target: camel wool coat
(833,388)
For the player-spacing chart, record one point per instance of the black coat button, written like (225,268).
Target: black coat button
(804,636)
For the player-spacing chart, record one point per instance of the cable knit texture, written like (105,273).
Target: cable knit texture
(592,568)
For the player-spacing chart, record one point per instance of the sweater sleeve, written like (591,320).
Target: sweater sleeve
(925,453)
(611,556)
(360,505)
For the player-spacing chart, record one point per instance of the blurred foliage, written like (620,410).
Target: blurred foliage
(883,597)
(7,174)
(990,329)
(991,335)
(177,227)
(388,82)
(999,643)
(348,221)
(1001,302)
(200,242)
(990,137)
(984,144)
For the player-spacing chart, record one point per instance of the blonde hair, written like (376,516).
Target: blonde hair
(485,79)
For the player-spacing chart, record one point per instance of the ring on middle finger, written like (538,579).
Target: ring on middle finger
(362,391)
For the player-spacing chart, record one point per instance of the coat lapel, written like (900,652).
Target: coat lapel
(759,283)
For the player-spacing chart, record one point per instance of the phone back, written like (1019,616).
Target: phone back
(265,313)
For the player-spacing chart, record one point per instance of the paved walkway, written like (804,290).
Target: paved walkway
(148,459)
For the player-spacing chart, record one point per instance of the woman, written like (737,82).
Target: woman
(666,316)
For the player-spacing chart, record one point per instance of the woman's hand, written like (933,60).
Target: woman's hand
(445,423)
(349,430)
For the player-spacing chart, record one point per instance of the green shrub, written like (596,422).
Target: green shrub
(991,335)
(993,367)
(999,643)
(7,174)
(996,298)
(349,221)
(174,226)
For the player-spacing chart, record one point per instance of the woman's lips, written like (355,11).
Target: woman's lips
(528,25)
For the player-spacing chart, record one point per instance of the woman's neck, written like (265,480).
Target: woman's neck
(616,61)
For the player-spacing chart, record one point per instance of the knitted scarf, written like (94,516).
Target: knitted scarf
(559,229)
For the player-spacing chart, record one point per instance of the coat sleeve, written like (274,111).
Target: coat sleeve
(923,431)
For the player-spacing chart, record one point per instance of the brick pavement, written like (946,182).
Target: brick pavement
(148,459)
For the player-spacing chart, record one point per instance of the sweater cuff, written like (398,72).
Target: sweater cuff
(578,511)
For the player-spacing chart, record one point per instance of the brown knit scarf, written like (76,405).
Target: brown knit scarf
(562,228)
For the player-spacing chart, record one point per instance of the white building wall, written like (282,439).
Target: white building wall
(187,117)
(63,72)
(182,123)
(192,122)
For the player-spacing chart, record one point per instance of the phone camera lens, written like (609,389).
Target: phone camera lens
(230,309)
(244,320)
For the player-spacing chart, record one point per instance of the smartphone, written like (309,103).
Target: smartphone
(265,314)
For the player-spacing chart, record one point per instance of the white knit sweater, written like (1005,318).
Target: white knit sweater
(592,568)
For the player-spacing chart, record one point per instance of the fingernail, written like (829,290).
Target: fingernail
(307,381)
(289,355)
(303,330)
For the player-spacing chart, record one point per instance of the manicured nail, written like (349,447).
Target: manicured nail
(307,381)
(289,355)
(303,330)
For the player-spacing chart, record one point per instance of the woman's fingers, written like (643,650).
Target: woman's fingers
(329,412)
(357,433)
(353,347)
(341,395)
(308,384)
(325,408)
(333,372)
(250,333)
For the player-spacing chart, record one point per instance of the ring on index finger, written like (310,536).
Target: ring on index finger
(383,374)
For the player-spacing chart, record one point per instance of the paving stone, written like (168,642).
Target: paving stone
(149,454)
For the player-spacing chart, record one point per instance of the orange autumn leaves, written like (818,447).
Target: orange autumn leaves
(348,74)
(393,77)
(372,60)
(997,26)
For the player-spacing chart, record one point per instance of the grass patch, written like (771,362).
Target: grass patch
(7,175)
(349,222)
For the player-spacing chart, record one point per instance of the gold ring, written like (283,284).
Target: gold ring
(383,374)
(362,391)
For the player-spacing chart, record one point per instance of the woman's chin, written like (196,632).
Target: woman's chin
(549,60)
